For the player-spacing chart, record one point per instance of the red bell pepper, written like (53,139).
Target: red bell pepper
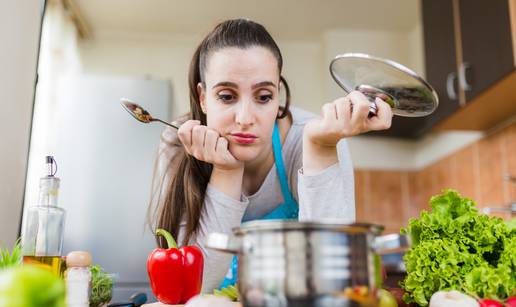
(511,302)
(489,303)
(175,273)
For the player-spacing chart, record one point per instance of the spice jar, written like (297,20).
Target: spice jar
(78,279)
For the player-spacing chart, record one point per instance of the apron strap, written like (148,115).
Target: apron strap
(289,209)
(280,165)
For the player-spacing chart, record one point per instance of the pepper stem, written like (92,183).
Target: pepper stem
(171,243)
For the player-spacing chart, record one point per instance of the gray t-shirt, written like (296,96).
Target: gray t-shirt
(326,195)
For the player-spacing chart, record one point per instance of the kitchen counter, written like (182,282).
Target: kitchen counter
(164,305)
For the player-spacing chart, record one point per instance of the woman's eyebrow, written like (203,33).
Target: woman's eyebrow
(264,83)
(226,83)
(234,85)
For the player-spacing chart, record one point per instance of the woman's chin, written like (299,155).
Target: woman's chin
(244,153)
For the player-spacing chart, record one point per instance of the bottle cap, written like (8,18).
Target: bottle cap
(51,166)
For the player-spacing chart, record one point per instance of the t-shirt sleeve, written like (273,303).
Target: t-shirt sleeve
(220,214)
(329,194)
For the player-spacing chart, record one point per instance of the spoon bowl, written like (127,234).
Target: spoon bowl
(141,115)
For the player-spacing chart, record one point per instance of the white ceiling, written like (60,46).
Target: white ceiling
(288,19)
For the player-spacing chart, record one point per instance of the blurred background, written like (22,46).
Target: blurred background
(68,62)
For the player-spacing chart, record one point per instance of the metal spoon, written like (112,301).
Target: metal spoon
(141,114)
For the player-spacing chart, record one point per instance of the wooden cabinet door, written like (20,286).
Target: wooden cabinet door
(486,43)
(440,57)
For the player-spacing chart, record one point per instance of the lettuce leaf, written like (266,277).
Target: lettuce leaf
(31,286)
(456,248)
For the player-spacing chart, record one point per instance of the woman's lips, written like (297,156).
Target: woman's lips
(244,138)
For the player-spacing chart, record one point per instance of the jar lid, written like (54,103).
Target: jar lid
(78,259)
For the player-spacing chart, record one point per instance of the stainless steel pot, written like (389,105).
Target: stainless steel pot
(288,263)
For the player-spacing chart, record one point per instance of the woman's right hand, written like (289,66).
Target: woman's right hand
(207,145)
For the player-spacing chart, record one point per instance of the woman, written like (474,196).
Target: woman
(239,156)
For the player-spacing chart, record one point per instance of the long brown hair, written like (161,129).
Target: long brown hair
(182,187)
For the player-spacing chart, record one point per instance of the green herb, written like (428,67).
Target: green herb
(101,286)
(455,248)
(9,259)
(230,292)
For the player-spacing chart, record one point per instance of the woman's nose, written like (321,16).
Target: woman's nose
(245,114)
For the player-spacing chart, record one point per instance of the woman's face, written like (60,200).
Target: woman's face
(241,98)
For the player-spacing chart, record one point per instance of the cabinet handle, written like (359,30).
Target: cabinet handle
(450,88)
(463,82)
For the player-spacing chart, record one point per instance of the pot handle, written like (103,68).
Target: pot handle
(223,242)
(391,244)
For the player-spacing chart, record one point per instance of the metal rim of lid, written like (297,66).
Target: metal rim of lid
(326,225)
(395,65)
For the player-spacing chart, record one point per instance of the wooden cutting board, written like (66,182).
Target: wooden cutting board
(164,305)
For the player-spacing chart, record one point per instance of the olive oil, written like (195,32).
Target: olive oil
(42,236)
(55,264)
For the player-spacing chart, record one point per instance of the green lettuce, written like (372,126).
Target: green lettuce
(456,248)
(31,286)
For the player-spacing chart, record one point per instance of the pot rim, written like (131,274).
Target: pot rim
(326,225)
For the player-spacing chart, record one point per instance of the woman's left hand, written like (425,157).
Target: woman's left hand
(345,117)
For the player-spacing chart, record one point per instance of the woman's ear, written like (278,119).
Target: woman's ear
(202,96)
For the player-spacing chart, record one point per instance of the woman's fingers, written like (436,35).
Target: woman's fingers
(360,110)
(184,133)
(198,135)
(207,145)
(222,145)
(210,143)
(383,118)
(329,112)
(343,107)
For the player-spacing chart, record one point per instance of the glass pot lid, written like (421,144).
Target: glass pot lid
(407,93)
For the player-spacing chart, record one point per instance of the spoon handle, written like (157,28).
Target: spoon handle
(173,124)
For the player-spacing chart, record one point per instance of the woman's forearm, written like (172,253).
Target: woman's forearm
(328,194)
(228,182)
(317,157)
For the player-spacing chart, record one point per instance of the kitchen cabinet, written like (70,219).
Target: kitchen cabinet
(440,57)
(470,61)
(476,93)
(487,53)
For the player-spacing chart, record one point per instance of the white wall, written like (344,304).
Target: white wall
(168,57)
(302,69)
(19,34)
(136,55)
(416,55)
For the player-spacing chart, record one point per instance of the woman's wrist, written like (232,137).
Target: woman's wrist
(228,181)
(317,157)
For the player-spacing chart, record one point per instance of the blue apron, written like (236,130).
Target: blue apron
(288,210)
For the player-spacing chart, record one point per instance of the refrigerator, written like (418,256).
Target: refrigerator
(105,161)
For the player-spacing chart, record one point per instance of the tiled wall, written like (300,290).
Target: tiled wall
(390,198)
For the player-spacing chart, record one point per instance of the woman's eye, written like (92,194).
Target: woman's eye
(226,97)
(264,98)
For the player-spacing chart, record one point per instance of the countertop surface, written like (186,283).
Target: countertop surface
(163,305)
